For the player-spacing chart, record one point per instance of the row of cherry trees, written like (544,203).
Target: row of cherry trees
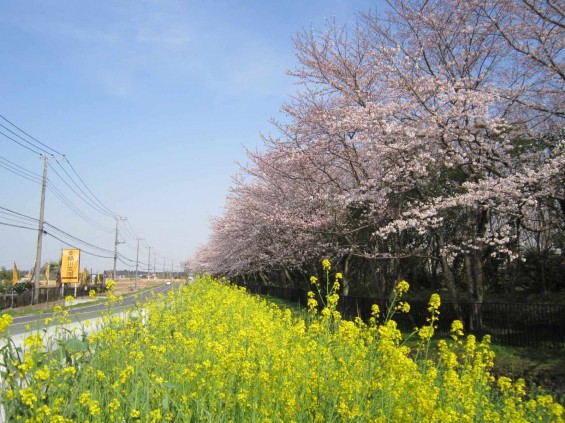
(425,142)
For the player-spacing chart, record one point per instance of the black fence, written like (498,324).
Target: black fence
(525,325)
(12,299)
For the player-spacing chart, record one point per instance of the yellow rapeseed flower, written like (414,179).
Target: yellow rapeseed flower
(434,303)
(94,408)
(28,397)
(84,398)
(326,265)
(42,374)
(213,350)
(426,332)
(33,341)
(114,405)
(403,306)
(110,285)
(456,329)
(5,321)
(402,287)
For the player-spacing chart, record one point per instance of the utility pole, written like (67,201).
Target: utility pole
(137,261)
(116,242)
(40,233)
(163,269)
(149,263)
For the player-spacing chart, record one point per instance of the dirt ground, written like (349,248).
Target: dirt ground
(126,286)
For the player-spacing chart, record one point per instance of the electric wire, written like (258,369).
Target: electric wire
(14,219)
(11,213)
(36,140)
(73,190)
(126,264)
(130,229)
(89,202)
(74,246)
(34,148)
(77,239)
(17,226)
(24,140)
(6,211)
(127,233)
(88,189)
(19,143)
(19,174)
(74,208)
(47,224)
(19,170)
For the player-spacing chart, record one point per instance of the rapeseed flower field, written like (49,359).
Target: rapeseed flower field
(211,352)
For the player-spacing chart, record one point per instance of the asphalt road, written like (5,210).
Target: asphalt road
(35,321)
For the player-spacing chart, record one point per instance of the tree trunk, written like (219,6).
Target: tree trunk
(345,289)
(448,277)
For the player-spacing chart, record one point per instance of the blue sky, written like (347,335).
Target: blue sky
(152,102)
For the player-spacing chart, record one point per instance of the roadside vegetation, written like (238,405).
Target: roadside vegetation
(209,351)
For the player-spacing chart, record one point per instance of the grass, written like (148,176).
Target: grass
(537,366)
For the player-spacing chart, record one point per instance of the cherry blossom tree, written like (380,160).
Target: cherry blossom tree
(431,134)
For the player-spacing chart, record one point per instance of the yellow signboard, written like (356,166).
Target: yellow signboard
(70,266)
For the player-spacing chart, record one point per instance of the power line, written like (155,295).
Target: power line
(131,230)
(19,143)
(14,212)
(86,186)
(15,172)
(74,246)
(37,147)
(89,203)
(56,229)
(24,140)
(36,140)
(17,226)
(75,209)
(77,239)
(14,219)
(19,170)
(126,264)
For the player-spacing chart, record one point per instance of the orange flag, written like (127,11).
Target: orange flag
(47,269)
(15,276)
